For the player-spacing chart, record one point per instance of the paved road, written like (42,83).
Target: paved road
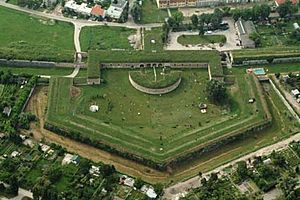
(180,189)
(80,22)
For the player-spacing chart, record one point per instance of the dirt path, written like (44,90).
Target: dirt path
(37,105)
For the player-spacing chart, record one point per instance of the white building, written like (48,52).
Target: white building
(116,9)
(80,9)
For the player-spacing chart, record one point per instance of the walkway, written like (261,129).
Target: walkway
(180,189)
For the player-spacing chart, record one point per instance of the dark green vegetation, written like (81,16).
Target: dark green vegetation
(49,40)
(98,57)
(201,39)
(43,174)
(145,128)
(155,78)
(105,37)
(279,172)
(279,34)
(14,91)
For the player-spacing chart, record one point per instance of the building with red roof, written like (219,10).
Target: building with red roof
(98,11)
(279,2)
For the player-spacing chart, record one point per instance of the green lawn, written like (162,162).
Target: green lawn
(105,37)
(151,14)
(28,37)
(166,126)
(152,40)
(201,39)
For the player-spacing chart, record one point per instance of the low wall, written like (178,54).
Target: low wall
(154,91)
(28,63)
(154,64)
(93,81)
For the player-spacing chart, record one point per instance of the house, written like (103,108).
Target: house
(28,142)
(80,9)
(75,159)
(295,93)
(149,191)
(67,159)
(279,2)
(94,170)
(125,180)
(116,9)
(199,3)
(245,29)
(44,147)
(2,135)
(267,161)
(7,111)
(15,154)
(98,11)
(94,108)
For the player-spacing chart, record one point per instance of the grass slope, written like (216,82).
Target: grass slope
(28,37)
(151,14)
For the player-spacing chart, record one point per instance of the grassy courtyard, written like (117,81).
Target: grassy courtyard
(152,40)
(32,38)
(105,37)
(155,127)
(151,14)
(201,39)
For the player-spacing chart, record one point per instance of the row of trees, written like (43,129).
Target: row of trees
(212,21)
(256,13)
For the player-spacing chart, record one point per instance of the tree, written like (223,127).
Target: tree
(84,166)
(13,185)
(265,11)
(286,9)
(216,92)
(136,11)
(256,38)
(195,20)
(54,174)
(108,170)
(178,18)
(288,186)
(242,170)
(158,188)
(138,183)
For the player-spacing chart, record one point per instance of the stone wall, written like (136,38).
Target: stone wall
(28,63)
(155,91)
(151,64)
(93,81)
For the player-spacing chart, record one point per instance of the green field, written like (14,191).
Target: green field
(201,39)
(153,35)
(28,37)
(105,37)
(158,128)
(151,14)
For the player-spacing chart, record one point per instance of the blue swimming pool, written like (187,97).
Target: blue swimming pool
(259,71)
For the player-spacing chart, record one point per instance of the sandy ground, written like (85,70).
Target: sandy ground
(37,104)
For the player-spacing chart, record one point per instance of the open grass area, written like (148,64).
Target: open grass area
(201,39)
(28,37)
(105,37)
(152,40)
(158,128)
(151,14)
